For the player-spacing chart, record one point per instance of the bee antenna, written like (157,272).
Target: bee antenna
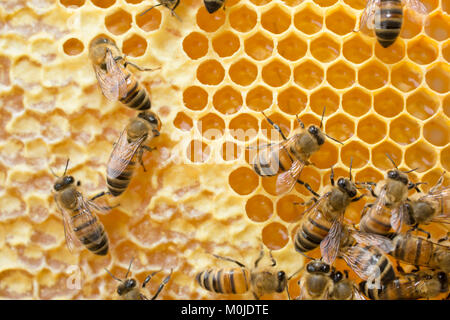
(333,139)
(387,154)
(113,276)
(296,272)
(53,172)
(129,267)
(156,5)
(350,171)
(300,122)
(321,119)
(410,170)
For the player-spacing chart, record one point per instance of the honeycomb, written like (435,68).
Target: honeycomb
(217,73)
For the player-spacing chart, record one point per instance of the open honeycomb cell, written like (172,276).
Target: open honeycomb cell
(214,75)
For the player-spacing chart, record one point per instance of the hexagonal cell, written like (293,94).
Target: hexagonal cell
(72,3)
(243,72)
(422,104)
(211,126)
(430,178)
(149,21)
(275,20)
(210,72)
(198,151)
(431,5)
(340,75)
(436,131)
(423,50)
(373,75)
(357,50)
(324,48)
(288,210)
(292,47)
(388,103)
(210,22)
(195,98)
(308,74)
(275,236)
(258,46)
(356,102)
(195,45)
(411,26)
(243,180)
(368,175)
(340,22)
(259,208)
(438,78)
(324,98)
(292,100)
(259,98)
(244,127)
(446,51)
(73,47)
(437,26)
(340,127)
(183,122)
(445,158)
(326,157)
(226,44)
(242,19)
(356,151)
(276,73)
(390,55)
(134,46)
(268,130)
(227,100)
(404,130)
(420,155)
(308,20)
(371,129)
(230,151)
(103,3)
(379,158)
(406,77)
(118,22)
(325,3)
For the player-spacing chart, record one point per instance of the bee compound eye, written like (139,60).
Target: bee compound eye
(325,268)
(310,267)
(57,186)
(281,275)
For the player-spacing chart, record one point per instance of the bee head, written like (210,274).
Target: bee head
(397,175)
(317,134)
(337,276)
(126,286)
(282,281)
(63,182)
(317,267)
(152,119)
(347,186)
(98,48)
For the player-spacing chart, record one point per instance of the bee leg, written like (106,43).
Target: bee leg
(261,255)
(444,239)
(414,186)
(143,297)
(332,176)
(366,207)
(276,127)
(101,194)
(416,227)
(138,67)
(274,262)
(176,5)
(255,295)
(161,286)
(307,186)
(140,153)
(438,183)
(416,268)
(358,198)
(306,256)
(149,277)
(400,268)
(231,260)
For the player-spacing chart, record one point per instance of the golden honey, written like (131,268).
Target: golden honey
(217,72)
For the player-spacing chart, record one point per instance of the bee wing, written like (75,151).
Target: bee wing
(380,203)
(369,14)
(87,216)
(329,246)
(415,5)
(352,256)
(398,217)
(383,243)
(315,205)
(72,242)
(122,154)
(112,81)
(287,180)
(441,196)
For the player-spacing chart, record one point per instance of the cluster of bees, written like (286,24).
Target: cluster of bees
(386,226)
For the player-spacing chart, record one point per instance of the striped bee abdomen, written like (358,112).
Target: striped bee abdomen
(120,183)
(91,233)
(137,96)
(414,250)
(388,21)
(225,280)
(272,161)
(213,5)
(313,229)
(376,264)
(372,222)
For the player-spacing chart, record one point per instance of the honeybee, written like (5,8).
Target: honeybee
(386,17)
(369,263)
(322,223)
(213,5)
(287,159)
(128,289)
(388,209)
(169,4)
(432,207)
(115,80)
(412,286)
(81,225)
(344,288)
(129,148)
(413,249)
(240,279)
